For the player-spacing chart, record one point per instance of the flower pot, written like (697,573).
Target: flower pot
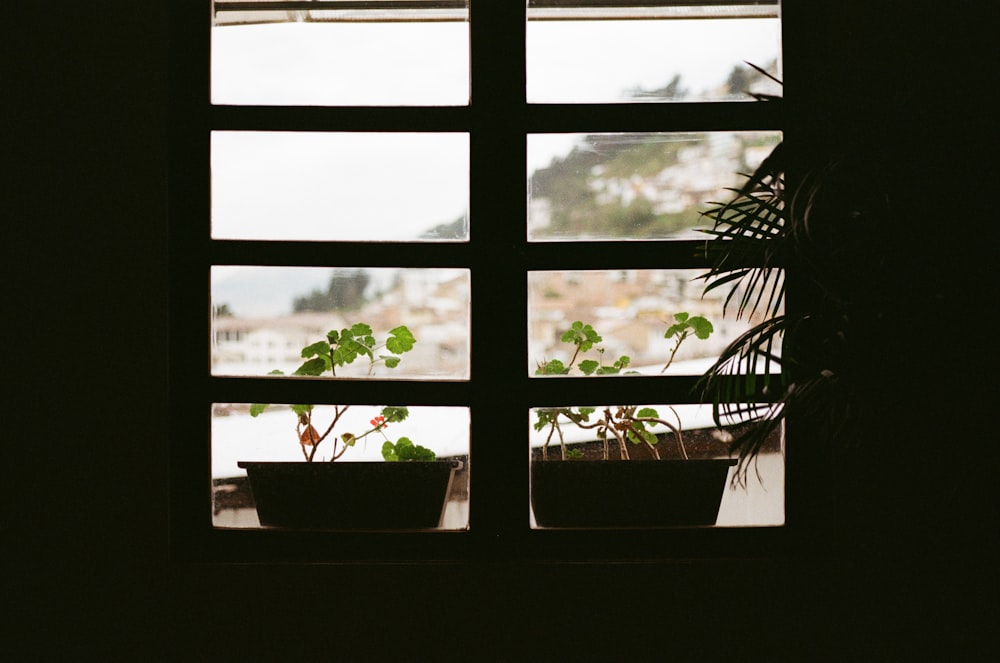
(350,495)
(628,494)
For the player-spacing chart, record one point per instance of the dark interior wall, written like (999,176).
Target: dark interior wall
(86,517)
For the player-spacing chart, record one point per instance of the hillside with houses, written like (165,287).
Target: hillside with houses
(434,304)
(631,310)
(640,186)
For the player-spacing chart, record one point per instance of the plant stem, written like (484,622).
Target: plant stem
(573,358)
(677,346)
(676,430)
(337,413)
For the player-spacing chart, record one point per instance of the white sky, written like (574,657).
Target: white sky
(380,186)
(336,186)
(416,64)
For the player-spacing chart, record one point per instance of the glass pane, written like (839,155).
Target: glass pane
(332,186)
(337,58)
(420,494)
(638,321)
(679,470)
(644,186)
(688,54)
(263,318)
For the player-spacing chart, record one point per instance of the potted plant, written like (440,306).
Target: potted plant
(573,492)
(407,491)
(823,227)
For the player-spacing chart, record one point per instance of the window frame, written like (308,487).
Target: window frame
(499,523)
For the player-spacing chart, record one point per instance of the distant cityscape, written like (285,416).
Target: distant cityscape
(631,309)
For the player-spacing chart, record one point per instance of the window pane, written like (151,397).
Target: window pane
(273,436)
(635,186)
(684,478)
(332,186)
(631,311)
(338,58)
(263,318)
(655,60)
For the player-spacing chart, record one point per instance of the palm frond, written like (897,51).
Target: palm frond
(731,383)
(749,235)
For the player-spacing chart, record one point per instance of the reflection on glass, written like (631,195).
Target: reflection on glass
(263,317)
(243,434)
(663,60)
(573,446)
(639,321)
(634,186)
(338,58)
(340,186)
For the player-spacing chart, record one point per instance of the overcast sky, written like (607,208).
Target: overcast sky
(371,186)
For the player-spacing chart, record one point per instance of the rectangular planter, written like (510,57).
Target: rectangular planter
(628,494)
(346,495)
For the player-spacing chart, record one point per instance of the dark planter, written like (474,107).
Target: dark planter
(361,495)
(619,494)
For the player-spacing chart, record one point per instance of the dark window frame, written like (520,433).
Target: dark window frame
(499,258)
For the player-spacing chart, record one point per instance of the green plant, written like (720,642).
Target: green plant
(790,363)
(625,423)
(337,350)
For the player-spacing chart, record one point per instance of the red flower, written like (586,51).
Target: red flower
(378,422)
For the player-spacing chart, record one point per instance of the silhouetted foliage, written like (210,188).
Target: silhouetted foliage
(345,292)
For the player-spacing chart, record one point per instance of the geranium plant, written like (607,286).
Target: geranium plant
(625,423)
(326,356)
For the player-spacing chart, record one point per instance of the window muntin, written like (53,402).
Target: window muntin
(329,186)
(663,60)
(634,186)
(264,316)
(322,57)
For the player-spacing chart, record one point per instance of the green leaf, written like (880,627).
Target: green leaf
(317,348)
(608,370)
(333,336)
(300,410)
(591,338)
(395,414)
(582,335)
(648,412)
(390,362)
(313,367)
(681,317)
(389,452)
(424,454)
(400,340)
(257,408)
(553,367)
(349,347)
(638,434)
(405,450)
(276,372)
(675,329)
(360,329)
(543,418)
(403,446)
(349,439)
(702,327)
(588,366)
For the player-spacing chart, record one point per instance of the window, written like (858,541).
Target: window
(480,87)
